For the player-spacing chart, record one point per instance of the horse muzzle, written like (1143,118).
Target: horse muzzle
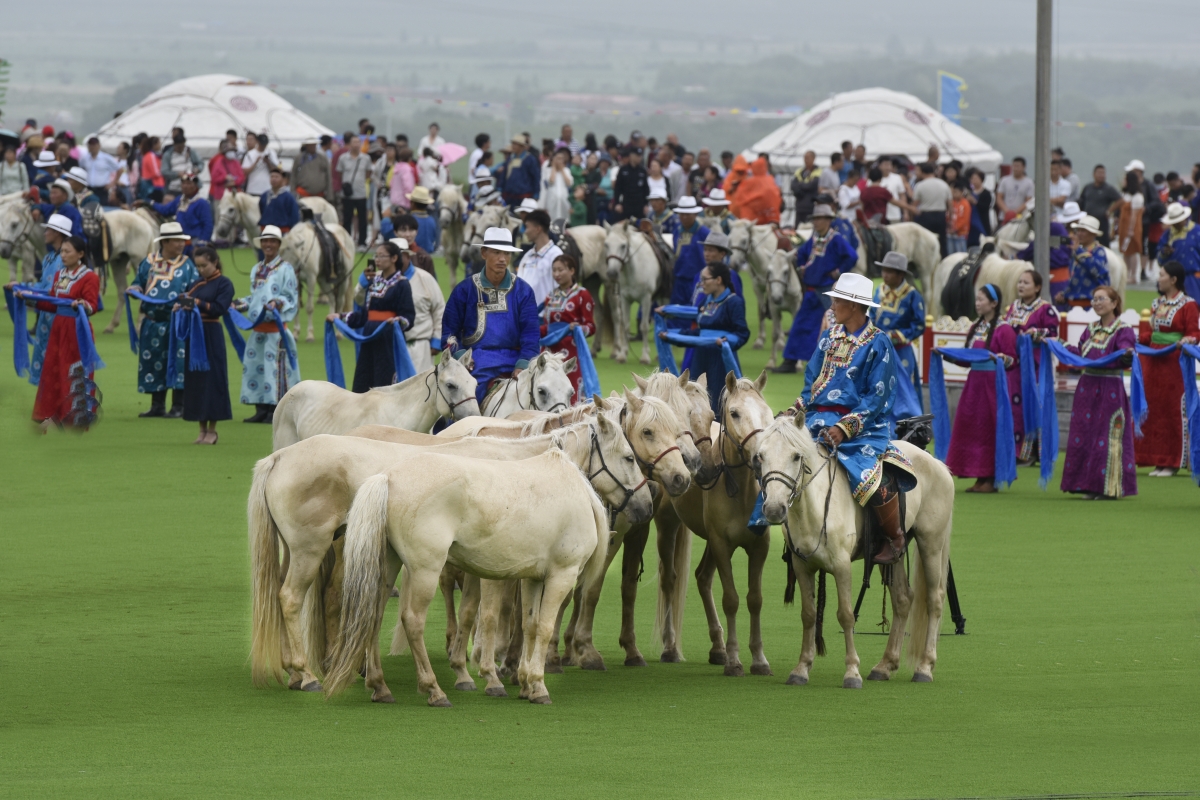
(775,510)
(640,507)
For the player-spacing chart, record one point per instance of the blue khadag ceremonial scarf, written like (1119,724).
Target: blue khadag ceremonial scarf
(1006,453)
(401,360)
(590,380)
(88,356)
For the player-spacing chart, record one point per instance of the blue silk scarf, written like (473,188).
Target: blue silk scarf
(401,360)
(555,333)
(88,355)
(1006,451)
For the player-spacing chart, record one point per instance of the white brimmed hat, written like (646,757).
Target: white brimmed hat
(60,223)
(687,205)
(499,239)
(527,205)
(66,187)
(77,174)
(482,171)
(855,288)
(1176,213)
(657,194)
(823,210)
(1135,164)
(269,232)
(1071,212)
(313,142)
(45,159)
(1088,223)
(402,244)
(716,198)
(421,195)
(485,196)
(171,230)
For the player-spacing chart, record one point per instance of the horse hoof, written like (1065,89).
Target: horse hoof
(466,686)
(796,680)
(568,661)
(878,675)
(670,657)
(852,683)
(757,345)
(495,691)
(761,669)
(635,662)
(543,700)
(440,702)
(645,359)
(385,697)
(294,684)
(309,338)
(921,677)
(734,671)
(553,669)
(596,664)
(716,658)
(312,686)
(618,359)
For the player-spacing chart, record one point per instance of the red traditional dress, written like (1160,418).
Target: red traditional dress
(63,386)
(1164,433)
(569,305)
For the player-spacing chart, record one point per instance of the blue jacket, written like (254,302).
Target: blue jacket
(67,210)
(901,311)
(282,210)
(196,219)
(520,175)
(427,233)
(817,261)
(460,319)
(1088,270)
(846,228)
(689,261)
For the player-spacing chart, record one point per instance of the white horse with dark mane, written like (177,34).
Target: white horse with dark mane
(632,273)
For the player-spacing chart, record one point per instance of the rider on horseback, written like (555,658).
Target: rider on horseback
(849,388)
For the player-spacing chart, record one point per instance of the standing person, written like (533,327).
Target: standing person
(177,161)
(1060,191)
(424,337)
(66,394)
(1066,170)
(672,171)
(225,173)
(404,180)
(206,393)
(58,228)
(1129,227)
(1173,319)
(14,177)
(1099,462)
(267,371)
(388,300)
(311,174)
(1100,199)
(353,167)
(431,173)
(257,163)
(900,314)
(1181,242)
(895,183)
(689,238)
(820,261)
(830,179)
(192,212)
(1089,264)
(973,442)
(1030,314)
(278,206)
(931,201)
(876,200)
(162,277)
(958,219)
(804,187)
(536,265)
(569,303)
(493,314)
(432,140)
(101,170)
(656,180)
(1060,254)
(631,189)
(555,196)
(1014,192)
(519,177)
(980,199)
(427,238)
(483,144)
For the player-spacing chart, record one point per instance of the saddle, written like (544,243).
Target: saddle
(877,241)
(916,430)
(958,295)
(333,264)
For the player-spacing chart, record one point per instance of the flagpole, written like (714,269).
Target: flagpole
(1041,163)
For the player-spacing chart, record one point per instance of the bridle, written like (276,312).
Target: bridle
(795,488)
(726,469)
(630,247)
(594,450)
(648,467)
(554,409)
(436,375)
(26,227)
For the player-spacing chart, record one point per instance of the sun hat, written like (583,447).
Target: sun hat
(307,142)
(172,230)
(45,159)
(657,194)
(894,260)
(1176,213)
(268,232)
(66,187)
(1135,164)
(77,174)
(1070,212)
(486,196)
(482,171)
(1088,223)
(527,205)
(855,288)
(402,244)
(716,198)
(719,240)
(421,195)
(687,205)
(499,239)
(823,210)
(519,139)
(60,223)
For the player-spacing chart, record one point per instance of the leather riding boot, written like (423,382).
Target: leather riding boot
(269,416)
(786,367)
(888,515)
(158,402)
(260,413)
(176,405)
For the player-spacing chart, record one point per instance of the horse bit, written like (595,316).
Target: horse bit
(594,448)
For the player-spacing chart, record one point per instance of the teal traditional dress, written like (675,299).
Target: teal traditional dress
(901,315)
(267,373)
(160,279)
(850,382)
(51,264)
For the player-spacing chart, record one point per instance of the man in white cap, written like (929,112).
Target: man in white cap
(689,241)
(849,388)
(311,176)
(520,176)
(267,371)
(1181,242)
(162,276)
(90,212)
(61,197)
(1089,263)
(1154,208)
(425,336)
(820,261)
(190,210)
(716,211)
(493,313)
(58,228)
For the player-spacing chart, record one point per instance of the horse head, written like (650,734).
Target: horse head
(15,223)
(614,473)
(548,385)
(785,456)
(618,246)
(740,242)
(689,402)
(225,228)
(780,276)
(653,430)
(455,387)
(744,415)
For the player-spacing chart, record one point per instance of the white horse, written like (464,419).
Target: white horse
(784,294)
(311,407)
(544,386)
(302,249)
(807,491)
(919,244)
(632,274)
(452,207)
(22,241)
(131,238)
(589,240)
(493,216)
(422,507)
(239,211)
(754,246)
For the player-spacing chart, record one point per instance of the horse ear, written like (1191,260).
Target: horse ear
(702,381)
(600,402)
(541,361)
(761,383)
(634,402)
(606,425)
(684,377)
(730,382)
(798,419)
(607,225)
(569,367)
(468,361)
(641,382)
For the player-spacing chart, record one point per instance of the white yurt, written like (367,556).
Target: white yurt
(884,121)
(205,107)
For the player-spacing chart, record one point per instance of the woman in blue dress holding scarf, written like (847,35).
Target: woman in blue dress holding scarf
(722,311)
(206,392)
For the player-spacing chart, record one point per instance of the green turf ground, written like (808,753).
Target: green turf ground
(124,631)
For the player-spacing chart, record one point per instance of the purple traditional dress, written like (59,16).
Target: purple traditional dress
(972,451)
(1027,318)
(1100,456)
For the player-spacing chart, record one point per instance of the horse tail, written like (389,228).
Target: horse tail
(399,637)
(363,589)
(266,655)
(789,591)
(674,603)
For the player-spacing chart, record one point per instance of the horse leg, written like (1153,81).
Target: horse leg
(492,596)
(468,610)
(645,326)
(704,580)
(531,596)
(901,605)
(420,588)
(118,266)
(554,591)
(301,573)
(723,561)
(310,307)
(934,577)
(763,311)
(776,323)
(845,614)
(516,640)
(808,616)
(373,665)
(589,595)
(758,553)
(669,528)
(631,570)
(620,350)
(446,583)
(568,658)
(553,658)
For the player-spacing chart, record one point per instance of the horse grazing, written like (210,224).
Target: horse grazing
(311,407)
(302,249)
(808,493)
(784,294)
(544,386)
(633,275)
(434,509)
(452,207)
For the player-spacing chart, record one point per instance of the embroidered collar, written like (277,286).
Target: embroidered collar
(866,334)
(381,285)
(1177,234)
(263,270)
(713,302)
(506,284)
(892,296)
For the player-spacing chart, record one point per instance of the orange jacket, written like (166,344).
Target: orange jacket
(733,180)
(758,196)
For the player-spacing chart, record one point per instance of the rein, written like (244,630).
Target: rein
(797,488)
(594,448)
(726,469)
(436,375)
(26,228)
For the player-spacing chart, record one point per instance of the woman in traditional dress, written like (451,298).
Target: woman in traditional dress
(162,277)
(388,297)
(1099,462)
(267,372)
(1129,226)
(973,442)
(206,393)
(66,395)
(58,228)
(1030,314)
(1173,319)
(570,303)
(723,311)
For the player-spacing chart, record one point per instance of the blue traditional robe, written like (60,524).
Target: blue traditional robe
(1185,248)
(901,315)
(817,260)
(428,235)
(689,259)
(160,279)
(846,228)
(196,217)
(850,382)
(1089,269)
(267,372)
(51,264)
(499,324)
(725,312)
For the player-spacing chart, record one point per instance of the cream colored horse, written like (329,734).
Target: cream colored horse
(477,223)
(436,509)
(808,493)
(589,240)
(784,294)
(302,249)
(632,275)
(311,407)
(22,241)
(753,246)
(452,207)
(543,386)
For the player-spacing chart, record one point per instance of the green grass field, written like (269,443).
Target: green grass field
(124,614)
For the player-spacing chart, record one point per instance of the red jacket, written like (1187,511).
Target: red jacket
(220,170)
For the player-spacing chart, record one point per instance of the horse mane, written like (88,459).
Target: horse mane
(794,435)
(743,384)
(572,416)
(654,412)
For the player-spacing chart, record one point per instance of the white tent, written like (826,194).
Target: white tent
(208,105)
(885,122)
